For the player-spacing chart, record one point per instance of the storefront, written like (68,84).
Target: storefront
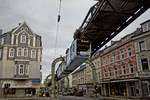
(118,89)
(133,88)
(146,87)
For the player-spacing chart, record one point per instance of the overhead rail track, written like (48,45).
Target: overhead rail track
(104,21)
(107,18)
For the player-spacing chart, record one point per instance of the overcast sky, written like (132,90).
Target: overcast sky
(41,16)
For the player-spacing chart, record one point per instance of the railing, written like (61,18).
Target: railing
(143,74)
(21,76)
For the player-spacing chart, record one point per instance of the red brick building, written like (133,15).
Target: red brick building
(119,67)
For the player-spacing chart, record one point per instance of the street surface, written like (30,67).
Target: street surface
(59,98)
(66,98)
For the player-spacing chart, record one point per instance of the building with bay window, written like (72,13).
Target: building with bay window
(20,61)
(123,68)
(126,65)
(142,49)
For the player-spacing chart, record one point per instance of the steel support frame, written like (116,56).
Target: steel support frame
(99,45)
(53,75)
(87,21)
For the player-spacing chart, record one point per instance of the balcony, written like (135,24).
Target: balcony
(145,74)
(21,77)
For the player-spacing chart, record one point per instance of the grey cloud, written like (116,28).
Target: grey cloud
(41,16)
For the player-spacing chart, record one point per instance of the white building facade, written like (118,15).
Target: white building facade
(20,61)
(142,49)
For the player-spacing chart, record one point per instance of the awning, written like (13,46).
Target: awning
(21,86)
(36,86)
(126,80)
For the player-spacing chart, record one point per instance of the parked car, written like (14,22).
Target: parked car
(64,94)
(79,93)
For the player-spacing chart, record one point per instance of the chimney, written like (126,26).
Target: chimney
(1,31)
(113,42)
(19,24)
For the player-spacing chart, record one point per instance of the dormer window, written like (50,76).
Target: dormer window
(146,26)
(2,41)
(23,38)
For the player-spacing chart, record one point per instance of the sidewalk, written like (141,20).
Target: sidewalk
(71,98)
(30,98)
(118,98)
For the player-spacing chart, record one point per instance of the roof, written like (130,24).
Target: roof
(145,22)
(17,27)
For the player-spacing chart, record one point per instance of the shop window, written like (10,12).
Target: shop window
(149,88)
(145,89)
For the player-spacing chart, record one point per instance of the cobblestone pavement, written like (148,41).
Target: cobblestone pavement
(67,98)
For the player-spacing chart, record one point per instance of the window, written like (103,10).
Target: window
(19,51)
(2,41)
(131,68)
(23,39)
(40,67)
(142,45)
(6,85)
(33,53)
(144,63)
(73,48)
(25,52)
(113,57)
(144,27)
(124,69)
(21,69)
(26,69)
(122,53)
(129,52)
(11,52)
(0,53)
(149,26)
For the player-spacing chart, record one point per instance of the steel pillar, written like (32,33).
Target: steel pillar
(89,61)
(53,95)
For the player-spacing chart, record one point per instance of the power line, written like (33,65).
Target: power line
(57,27)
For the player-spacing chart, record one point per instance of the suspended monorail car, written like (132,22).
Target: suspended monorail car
(78,52)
